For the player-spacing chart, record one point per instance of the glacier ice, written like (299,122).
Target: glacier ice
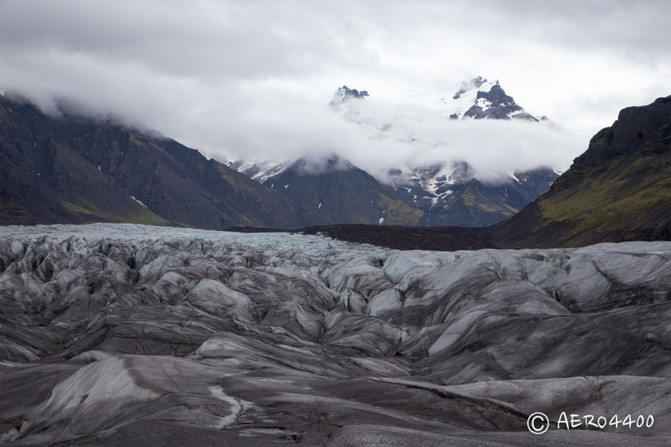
(108,331)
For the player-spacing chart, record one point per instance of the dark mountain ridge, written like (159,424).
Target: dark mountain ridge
(75,170)
(342,193)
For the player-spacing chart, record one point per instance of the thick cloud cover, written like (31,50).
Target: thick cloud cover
(252,79)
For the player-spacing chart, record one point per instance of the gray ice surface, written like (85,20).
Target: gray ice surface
(124,335)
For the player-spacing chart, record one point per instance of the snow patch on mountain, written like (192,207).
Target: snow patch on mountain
(259,170)
(432,182)
(137,201)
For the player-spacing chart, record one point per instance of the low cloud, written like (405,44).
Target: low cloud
(253,79)
(494,148)
(383,135)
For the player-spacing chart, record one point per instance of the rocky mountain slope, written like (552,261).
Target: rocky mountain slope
(619,189)
(450,195)
(133,335)
(73,169)
(342,193)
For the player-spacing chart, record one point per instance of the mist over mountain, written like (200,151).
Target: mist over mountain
(479,124)
(76,168)
(435,186)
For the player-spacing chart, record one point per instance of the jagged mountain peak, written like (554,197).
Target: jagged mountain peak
(345,93)
(480,98)
(476,98)
(345,101)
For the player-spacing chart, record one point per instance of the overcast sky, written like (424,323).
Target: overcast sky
(253,78)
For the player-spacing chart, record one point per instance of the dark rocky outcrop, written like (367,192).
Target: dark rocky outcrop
(618,190)
(499,106)
(344,93)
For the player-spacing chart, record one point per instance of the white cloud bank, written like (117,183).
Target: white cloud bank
(253,79)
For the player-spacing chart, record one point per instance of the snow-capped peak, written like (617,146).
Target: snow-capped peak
(469,94)
(477,98)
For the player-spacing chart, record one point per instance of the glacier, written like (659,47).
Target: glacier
(121,334)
